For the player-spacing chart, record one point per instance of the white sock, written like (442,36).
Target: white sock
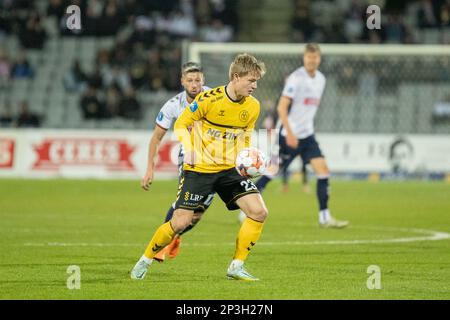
(324,216)
(146,260)
(236,264)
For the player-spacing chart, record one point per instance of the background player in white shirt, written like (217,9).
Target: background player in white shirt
(302,93)
(192,80)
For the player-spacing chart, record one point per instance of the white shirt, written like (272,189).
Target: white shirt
(306,93)
(172,109)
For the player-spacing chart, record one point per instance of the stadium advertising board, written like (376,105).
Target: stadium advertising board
(123,154)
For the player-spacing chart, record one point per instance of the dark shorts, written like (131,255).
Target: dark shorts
(197,189)
(206,200)
(307,149)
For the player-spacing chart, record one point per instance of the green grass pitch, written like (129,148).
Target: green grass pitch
(104,226)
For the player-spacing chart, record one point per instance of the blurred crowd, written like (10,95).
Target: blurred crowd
(148,36)
(344,21)
(146,54)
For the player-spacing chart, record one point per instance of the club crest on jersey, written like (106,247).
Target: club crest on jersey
(160,116)
(194,106)
(243,115)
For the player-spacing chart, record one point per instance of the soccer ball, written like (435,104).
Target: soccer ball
(251,162)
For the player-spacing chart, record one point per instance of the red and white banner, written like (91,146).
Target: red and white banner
(7,146)
(82,154)
(123,154)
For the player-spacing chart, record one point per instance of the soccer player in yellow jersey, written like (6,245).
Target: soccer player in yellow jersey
(212,130)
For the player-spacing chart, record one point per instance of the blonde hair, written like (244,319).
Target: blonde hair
(244,64)
(312,47)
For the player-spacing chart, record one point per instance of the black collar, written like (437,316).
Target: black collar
(235,101)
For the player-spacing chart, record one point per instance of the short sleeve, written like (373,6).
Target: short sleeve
(291,86)
(165,117)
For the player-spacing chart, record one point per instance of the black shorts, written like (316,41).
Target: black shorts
(196,187)
(307,149)
(207,200)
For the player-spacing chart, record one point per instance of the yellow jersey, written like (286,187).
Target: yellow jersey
(214,128)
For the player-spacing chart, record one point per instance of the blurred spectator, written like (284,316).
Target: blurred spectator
(302,25)
(117,76)
(33,35)
(111,19)
(444,14)
(56,8)
(22,68)
(6,119)
(217,32)
(91,106)
(395,30)
(129,106)
(27,119)
(354,21)
(182,24)
(5,68)
(112,101)
(95,79)
(75,79)
(426,15)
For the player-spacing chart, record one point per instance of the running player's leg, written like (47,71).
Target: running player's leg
(241,193)
(305,182)
(313,155)
(287,155)
(162,237)
(192,189)
(249,233)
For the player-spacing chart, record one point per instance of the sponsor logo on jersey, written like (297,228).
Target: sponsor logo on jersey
(194,106)
(311,101)
(160,116)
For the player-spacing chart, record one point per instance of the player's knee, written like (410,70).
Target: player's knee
(196,218)
(258,213)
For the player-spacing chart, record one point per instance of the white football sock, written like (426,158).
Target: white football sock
(236,264)
(146,260)
(324,216)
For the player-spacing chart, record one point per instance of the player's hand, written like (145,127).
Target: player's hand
(292,141)
(147,180)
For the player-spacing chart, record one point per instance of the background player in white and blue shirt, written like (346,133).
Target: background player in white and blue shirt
(192,80)
(297,108)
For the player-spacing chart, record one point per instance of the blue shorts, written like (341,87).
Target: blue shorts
(307,149)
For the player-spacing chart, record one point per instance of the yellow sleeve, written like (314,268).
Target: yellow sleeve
(251,127)
(194,112)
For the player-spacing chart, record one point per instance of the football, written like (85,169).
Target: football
(251,162)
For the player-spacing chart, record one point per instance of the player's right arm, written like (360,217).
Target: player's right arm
(289,91)
(164,121)
(155,141)
(283,107)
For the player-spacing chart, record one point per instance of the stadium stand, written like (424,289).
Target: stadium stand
(138,44)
